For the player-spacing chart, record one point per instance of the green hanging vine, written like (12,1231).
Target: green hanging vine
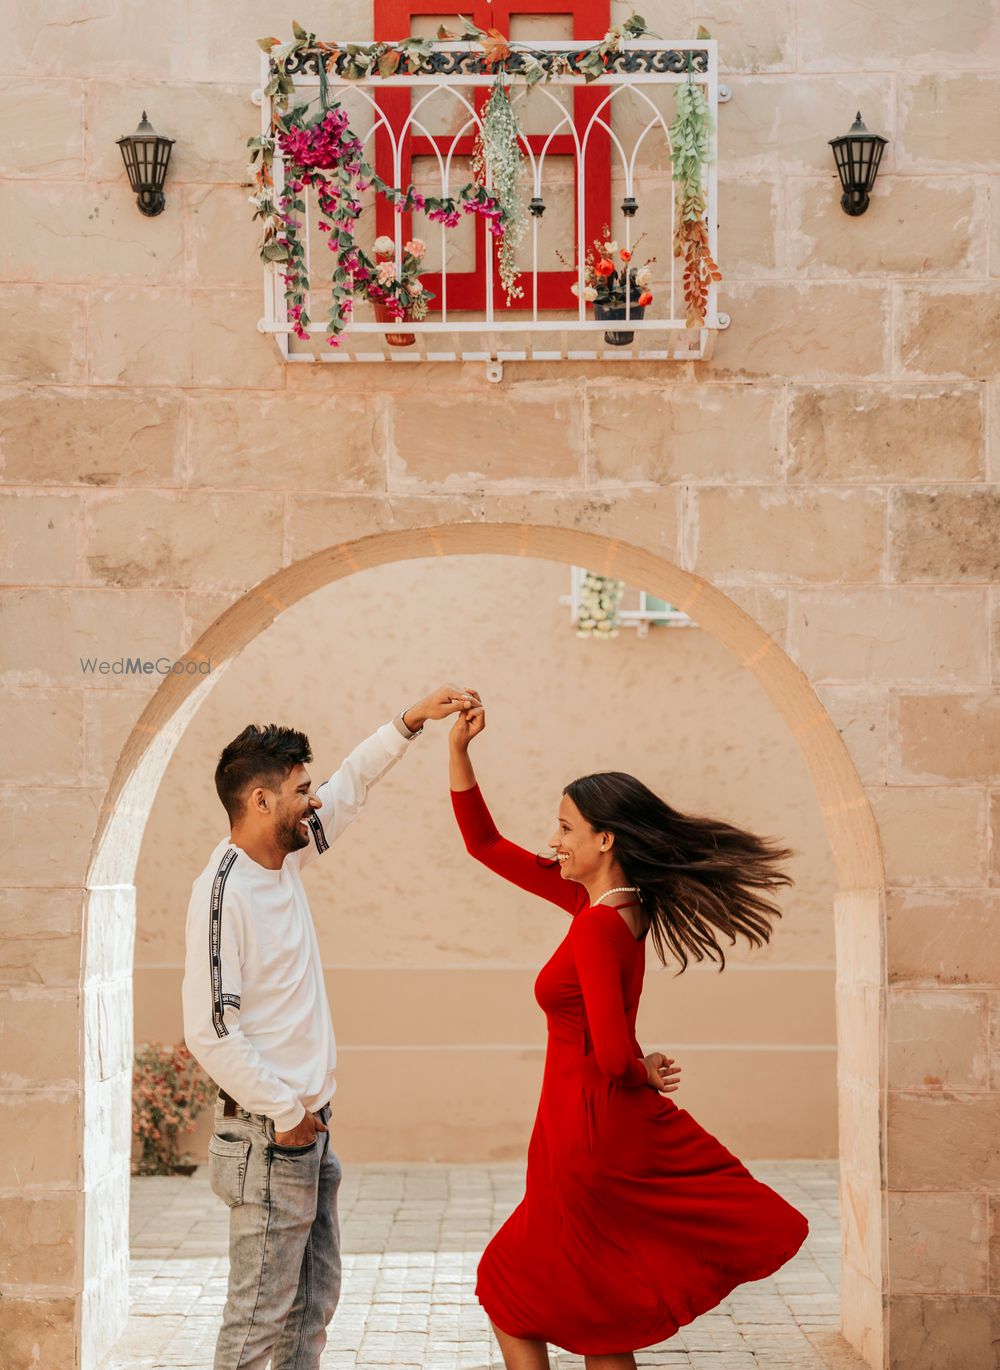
(690,135)
(499,163)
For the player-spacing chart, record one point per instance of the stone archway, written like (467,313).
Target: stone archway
(850,825)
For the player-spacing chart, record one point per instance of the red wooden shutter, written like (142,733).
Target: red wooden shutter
(467,289)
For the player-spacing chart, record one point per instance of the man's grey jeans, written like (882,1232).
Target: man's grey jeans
(284,1243)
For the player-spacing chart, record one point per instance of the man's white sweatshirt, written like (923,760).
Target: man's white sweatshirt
(256,1014)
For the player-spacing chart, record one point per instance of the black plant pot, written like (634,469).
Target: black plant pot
(617,311)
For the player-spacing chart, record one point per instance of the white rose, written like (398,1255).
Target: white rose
(609,248)
(643,276)
(384,244)
(589,292)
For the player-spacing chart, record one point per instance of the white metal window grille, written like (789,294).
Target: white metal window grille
(635,114)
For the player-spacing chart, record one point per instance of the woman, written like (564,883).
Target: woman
(634,1219)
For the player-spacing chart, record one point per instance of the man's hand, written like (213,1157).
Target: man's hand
(303,1133)
(449,699)
(662,1072)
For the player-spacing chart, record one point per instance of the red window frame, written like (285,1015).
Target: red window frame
(467,289)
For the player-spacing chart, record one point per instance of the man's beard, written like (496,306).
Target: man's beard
(293,836)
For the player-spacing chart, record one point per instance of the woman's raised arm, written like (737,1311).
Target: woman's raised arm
(482,838)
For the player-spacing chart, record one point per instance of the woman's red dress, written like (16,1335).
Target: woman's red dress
(634,1220)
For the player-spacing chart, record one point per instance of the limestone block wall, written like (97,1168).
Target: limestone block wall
(832,471)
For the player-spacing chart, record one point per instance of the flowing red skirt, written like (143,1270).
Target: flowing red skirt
(635,1220)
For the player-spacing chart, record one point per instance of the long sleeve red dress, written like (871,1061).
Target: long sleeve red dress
(634,1220)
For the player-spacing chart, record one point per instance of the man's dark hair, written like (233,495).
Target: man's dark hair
(259,756)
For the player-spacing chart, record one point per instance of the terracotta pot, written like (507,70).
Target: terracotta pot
(617,311)
(393,339)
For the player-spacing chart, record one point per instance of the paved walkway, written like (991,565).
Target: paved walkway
(412,1236)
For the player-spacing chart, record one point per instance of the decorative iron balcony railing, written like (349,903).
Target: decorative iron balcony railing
(597,156)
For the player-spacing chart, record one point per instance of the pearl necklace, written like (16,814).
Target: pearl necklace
(618,889)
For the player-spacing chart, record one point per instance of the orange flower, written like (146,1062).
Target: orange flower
(645,298)
(604,267)
(625,255)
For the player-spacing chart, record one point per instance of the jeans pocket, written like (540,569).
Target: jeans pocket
(227,1167)
(295,1150)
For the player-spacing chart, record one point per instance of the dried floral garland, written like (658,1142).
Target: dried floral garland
(689,151)
(404,57)
(600,597)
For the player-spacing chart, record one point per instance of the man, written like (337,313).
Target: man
(256,1017)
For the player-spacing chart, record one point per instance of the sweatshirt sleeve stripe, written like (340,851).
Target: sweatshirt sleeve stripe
(215,944)
(318,832)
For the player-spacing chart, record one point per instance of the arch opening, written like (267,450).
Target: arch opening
(848,820)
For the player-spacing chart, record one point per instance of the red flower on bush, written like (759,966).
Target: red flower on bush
(169,1091)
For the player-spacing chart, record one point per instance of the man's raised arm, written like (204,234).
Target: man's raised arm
(343,796)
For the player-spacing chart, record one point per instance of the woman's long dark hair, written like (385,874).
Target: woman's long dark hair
(696,876)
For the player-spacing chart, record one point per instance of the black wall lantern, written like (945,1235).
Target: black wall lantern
(857,155)
(146,154)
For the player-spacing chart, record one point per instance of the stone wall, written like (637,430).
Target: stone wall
(832,470)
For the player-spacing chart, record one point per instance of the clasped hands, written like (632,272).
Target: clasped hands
(447,699)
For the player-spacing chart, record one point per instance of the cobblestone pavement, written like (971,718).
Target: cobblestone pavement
(412,1236)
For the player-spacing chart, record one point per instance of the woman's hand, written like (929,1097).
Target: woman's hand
(469,724)
(662,1072)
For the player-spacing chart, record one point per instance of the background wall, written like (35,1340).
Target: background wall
(430,958)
